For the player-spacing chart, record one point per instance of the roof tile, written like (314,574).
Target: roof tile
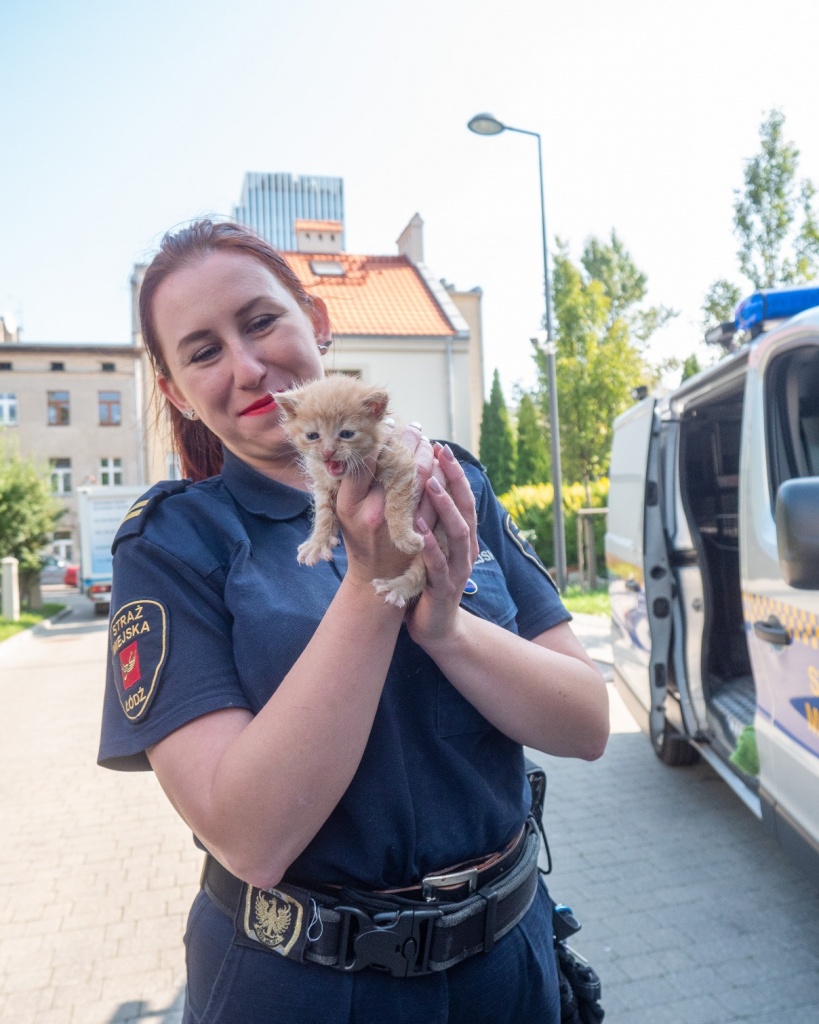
(377,295)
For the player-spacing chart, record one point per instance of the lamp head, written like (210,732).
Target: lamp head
(485,124)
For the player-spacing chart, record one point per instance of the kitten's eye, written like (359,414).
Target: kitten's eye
(346,434)
(312,436)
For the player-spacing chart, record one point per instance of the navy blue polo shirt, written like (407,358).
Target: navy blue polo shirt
(210,610)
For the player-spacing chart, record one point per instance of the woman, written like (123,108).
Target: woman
(354,770)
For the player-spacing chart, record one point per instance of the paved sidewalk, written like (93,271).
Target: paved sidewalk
(690,913)
(96,870)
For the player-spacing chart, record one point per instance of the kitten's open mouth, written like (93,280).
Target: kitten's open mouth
(335,467)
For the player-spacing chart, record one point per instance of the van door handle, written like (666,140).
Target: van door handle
(632,585)
(772,630)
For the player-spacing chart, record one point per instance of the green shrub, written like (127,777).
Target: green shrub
(531,508)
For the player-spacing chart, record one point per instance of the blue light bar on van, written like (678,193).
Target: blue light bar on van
(774,304)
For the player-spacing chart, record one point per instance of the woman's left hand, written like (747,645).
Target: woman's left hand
(432,619)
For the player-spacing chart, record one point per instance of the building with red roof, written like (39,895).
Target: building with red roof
(396,324)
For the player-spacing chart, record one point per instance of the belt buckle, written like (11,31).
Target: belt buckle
(430,884)
(396,941)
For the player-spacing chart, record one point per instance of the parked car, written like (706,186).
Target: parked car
(53,569)
(70,575)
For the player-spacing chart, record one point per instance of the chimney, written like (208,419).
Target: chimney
(411,240)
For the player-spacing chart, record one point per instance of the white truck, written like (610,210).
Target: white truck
(712,549)
(100,511)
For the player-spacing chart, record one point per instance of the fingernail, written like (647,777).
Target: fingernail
(422,526)
(448,452)
(415,424)
(434,486)
(389,421)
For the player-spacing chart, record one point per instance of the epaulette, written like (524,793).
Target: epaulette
(462,455)
(137,515)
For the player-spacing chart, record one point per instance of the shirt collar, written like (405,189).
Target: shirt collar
(259,494)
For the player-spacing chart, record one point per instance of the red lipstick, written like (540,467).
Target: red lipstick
(265,404)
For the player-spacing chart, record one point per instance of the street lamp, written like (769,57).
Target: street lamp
(486,124)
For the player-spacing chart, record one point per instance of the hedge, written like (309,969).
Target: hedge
(531,508)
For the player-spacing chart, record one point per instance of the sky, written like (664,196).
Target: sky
(120,121)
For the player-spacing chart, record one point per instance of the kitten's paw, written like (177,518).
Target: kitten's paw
(395,591)
(311,553)
(410,543)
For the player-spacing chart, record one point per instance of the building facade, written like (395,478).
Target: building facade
(272,203)
(84,413)
(395,323)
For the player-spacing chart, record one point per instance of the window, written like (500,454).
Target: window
(58,409)
(173,467)
(8,409)
(109,367)
(110,409)
(58,366)
(63,545)
(61,476)
(793,415)
(5,366)
(327,268)
(110,472)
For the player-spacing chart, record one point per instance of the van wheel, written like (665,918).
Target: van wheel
(671,748)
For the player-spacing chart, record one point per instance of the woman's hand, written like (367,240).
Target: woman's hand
(434,617)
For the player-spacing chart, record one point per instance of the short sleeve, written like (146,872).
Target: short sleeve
(531,587)
(169,652)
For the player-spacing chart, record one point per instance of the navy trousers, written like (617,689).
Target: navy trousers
(231,984)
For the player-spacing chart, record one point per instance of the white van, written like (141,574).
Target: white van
(713,557)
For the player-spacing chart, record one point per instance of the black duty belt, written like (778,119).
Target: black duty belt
(385,931)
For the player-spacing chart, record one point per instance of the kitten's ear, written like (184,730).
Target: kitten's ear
(377,401)
(288,402)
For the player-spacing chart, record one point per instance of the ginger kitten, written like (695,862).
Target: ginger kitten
(335,424)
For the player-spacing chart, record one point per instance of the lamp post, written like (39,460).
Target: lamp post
(486,124)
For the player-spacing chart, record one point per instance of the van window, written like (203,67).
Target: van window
(792,402)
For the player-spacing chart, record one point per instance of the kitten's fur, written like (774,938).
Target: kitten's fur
(335,424)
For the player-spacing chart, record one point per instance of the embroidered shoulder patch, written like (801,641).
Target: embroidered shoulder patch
(139,644)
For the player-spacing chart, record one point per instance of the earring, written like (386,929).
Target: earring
(324,345)
(189,414)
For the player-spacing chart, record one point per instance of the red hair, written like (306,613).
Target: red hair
(199,449)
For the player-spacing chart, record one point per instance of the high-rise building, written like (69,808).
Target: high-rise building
(272,203)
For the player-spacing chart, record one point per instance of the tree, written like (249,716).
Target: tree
(774,221)
(773,248)
(720,302)
(691,367)
(625,286)
(598,361)
(532,465)
(28,513)
(497,449)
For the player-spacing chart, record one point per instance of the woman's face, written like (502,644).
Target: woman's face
(230,334)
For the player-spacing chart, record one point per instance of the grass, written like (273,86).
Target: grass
(27,620)
(587,602)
